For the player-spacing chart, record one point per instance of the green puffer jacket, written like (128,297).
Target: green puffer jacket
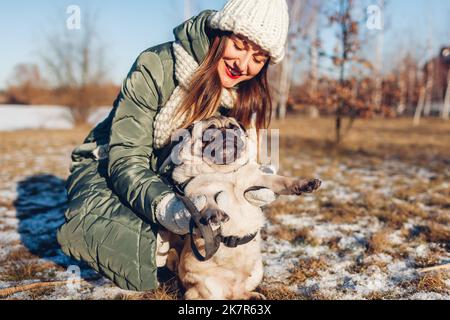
(110,220)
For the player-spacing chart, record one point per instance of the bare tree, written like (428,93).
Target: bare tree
(412,74)
(420,105)
(446,108)
(403,85)
(407,68)
(346,54)
(430,70)
(378,92)
(25,84)
(314,53)
(445,112)
(75,61)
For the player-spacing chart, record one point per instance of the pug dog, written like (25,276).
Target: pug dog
(218,160)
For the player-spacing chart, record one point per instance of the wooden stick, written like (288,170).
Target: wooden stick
(439,267)
(9,291)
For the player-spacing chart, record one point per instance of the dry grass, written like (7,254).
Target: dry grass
(294,235)
(395,214)
(426,261)
(409,192)
(281,208)
(439,200)
(278,292)
(407,199)
(432,232)
(20,270)
(336,211)
(432,282)
(377,295)
(306,148)
(6,204)
(21,253)
(307,268)
(168,290)
(373,139)
(379,242)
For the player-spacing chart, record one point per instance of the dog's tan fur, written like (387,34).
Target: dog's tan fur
(232,273)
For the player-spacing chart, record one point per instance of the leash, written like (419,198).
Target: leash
(212,237)
(212,241)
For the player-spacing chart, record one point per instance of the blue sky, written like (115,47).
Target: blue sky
(129,27)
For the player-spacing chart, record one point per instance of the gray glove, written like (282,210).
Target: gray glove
(262,196)
(173,214)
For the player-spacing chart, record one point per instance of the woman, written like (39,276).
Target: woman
(118,192)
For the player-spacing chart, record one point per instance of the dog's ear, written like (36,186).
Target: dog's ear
(241,125)
(237,123)
(190,127)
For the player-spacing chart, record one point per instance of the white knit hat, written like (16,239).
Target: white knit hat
(265,22)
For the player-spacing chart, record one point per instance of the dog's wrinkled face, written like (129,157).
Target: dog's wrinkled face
(216,144)
(222,140)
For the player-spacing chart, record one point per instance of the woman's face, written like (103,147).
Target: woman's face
(241,61)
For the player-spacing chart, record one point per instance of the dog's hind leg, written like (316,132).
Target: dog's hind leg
(255,277)
(173,260)
(208,290)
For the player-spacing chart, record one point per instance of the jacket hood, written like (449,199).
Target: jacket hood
(193,35)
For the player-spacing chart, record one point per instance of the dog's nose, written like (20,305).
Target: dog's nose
(223,146)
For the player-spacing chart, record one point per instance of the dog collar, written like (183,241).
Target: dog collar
(234,241)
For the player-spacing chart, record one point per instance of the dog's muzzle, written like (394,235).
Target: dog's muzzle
(222,145)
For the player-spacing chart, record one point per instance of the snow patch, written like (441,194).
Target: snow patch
(21,117)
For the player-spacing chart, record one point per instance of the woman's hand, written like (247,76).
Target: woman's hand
(262,196)
(173,214)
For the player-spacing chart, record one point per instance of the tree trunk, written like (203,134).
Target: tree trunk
(412,82)
(378,92)
(429,89)
(285,81)
(403,91)
(338,127)
(419,108)
(446,108)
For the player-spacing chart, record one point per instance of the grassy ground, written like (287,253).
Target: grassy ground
(382,213)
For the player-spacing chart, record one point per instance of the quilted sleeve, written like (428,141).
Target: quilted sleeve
(131,138)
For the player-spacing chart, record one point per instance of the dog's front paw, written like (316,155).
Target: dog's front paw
(305,186)
(214,216)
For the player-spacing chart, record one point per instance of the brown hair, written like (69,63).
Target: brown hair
(204,93)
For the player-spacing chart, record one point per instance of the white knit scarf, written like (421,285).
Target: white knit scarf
(165,124)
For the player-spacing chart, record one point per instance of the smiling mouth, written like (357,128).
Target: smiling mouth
(233,74)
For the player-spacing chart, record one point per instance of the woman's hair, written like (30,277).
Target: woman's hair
(204,95)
